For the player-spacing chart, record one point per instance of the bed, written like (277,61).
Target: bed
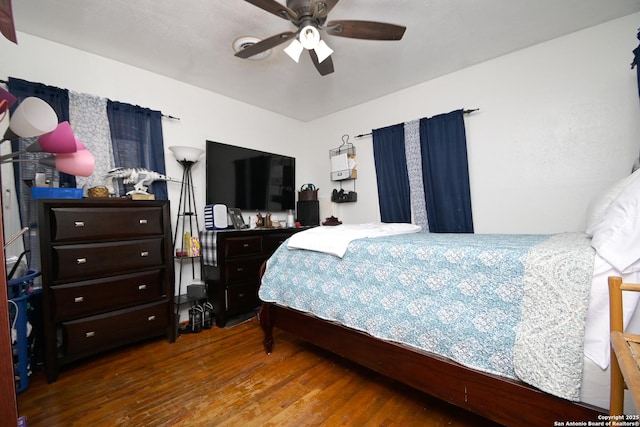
(511,327)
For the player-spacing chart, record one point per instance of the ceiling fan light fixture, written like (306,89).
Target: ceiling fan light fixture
(294,50)
(322,51)
(309,37)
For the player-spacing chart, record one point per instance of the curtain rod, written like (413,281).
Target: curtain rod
(166,116)
(463,112)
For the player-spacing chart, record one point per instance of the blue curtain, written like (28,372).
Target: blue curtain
(136,134)
(446,173)
(391,174)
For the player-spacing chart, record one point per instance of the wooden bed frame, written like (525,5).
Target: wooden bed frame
(505,401)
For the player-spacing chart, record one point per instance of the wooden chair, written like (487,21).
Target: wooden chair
(625,350)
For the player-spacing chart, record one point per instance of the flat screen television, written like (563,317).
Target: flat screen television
(249,179)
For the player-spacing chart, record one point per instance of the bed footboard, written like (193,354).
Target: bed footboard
(505,401)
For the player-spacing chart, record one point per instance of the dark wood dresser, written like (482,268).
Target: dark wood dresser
(107,276)
(232,272)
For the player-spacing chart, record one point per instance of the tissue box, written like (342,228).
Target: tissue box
(56,193)
(194,246)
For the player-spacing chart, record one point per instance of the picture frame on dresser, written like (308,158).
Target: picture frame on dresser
(236,218)
(107,276)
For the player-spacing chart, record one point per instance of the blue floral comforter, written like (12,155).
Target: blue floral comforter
(512,305)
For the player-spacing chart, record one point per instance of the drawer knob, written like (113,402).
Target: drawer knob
(90,334)
(79,223)
(78,299)
(144,253)
(81,261)
(151,318)
(144,221)
(239,269)
(245,245)
(142,287)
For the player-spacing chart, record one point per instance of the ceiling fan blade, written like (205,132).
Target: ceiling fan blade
(272,6)
(368,30)
(325,67)
(265,44)
(322,7)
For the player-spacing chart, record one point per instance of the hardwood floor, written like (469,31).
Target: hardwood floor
(222,377)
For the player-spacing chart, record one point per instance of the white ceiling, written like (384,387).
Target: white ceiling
(191,41)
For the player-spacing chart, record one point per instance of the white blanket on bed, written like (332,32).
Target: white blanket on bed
(549,347)
(335,239)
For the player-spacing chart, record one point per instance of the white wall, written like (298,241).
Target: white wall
(558,122)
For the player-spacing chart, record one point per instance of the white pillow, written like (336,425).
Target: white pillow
(602,201)
(616,233)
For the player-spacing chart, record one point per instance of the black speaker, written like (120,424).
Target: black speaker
(309,212)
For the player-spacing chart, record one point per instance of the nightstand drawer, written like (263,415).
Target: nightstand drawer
(240,246)
(242,270)
(76,224)
(76,262)
(272,241)
(80,299)
(242,297)
(105,331)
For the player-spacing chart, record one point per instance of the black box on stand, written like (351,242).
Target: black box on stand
(308,212)
(196,291)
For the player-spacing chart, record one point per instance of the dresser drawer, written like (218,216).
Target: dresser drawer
(272,241)
(75,224)
(81,299)
(77,262)
(242,270)
(102,332)
(242,297)
(239,246)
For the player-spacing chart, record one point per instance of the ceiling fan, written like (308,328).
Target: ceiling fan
(310,17)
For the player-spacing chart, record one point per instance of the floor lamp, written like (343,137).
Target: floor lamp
(187,215)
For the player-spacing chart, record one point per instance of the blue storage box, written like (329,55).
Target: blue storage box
(208,217)
(56,193)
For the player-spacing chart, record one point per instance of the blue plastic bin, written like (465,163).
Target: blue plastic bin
(20,290)
(56,193)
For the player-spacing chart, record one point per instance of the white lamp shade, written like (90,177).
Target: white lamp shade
(188,154)
(294,50)
(32,117)
(80,163)
(322,51)
(309,37)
